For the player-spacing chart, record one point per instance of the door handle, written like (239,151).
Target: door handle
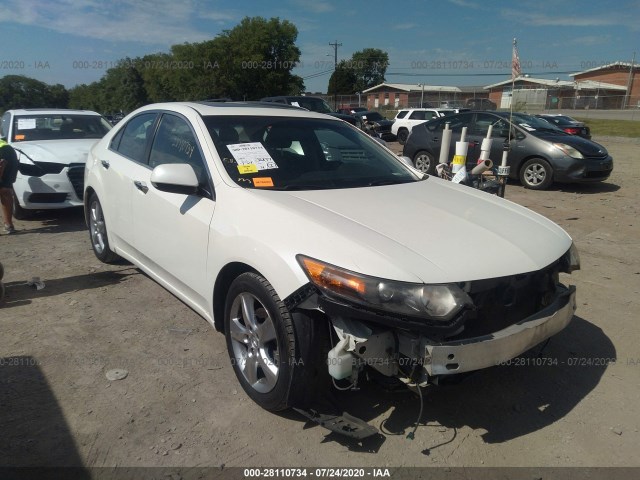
(141,186)
(435,139)
(104,163)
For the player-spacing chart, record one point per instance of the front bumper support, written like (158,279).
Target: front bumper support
(481,352)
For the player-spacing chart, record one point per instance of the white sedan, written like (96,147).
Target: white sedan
(52,147)
(318,252)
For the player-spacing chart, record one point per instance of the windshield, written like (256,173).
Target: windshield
(58,126)
(281,153)
(531,123)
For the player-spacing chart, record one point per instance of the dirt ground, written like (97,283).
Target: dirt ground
(180,405)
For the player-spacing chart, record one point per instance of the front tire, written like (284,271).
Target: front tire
(17,211)
(272,354)
(98,232)
(536,174)
(425,162)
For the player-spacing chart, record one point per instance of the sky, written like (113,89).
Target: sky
(444,42)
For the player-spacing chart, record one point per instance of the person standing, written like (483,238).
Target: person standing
(8,173)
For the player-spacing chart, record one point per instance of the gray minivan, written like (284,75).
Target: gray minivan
(540,152)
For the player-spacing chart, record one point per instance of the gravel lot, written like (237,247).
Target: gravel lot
(180,405)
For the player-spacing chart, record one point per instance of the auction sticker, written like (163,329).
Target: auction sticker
(252,153)
(26,123)
(263,182)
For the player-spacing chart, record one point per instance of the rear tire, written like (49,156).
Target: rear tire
(536,174)
(425,162)
(273,353)
(98,232)
(403,134)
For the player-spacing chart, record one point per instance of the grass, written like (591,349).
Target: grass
(612,128)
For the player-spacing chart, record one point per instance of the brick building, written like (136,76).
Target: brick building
(621,74)
(533,94)
(403,95)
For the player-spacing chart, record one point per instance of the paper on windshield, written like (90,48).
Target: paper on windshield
(252,153)
(26,123)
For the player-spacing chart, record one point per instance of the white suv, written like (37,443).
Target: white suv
(310,245)
(52,147)
(405,120)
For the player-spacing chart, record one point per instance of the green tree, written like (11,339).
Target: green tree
(250,61)
(369,66)
(256,58)
(122,88)
(87,97)
(18,91)
(343,80)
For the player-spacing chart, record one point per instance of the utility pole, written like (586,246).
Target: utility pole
(335,67)
(625,104)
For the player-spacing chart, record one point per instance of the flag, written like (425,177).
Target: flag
(515,61)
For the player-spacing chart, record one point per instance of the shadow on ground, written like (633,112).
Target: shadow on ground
(53,221)
(34,430)
(20,292)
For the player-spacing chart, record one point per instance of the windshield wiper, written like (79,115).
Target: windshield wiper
(377,183)
(303,187)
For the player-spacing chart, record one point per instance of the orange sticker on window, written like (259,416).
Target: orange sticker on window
(263,182)
(19,137)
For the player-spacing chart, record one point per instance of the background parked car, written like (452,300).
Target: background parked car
(52,147)
(540,152)
(406,118)
(374,123)
(481,104)
(313,104)
(568,124)
(451,104)
(351,110)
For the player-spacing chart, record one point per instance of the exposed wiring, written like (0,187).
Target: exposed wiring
(412,434)
(340,388)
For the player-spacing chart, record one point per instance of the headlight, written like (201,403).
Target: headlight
(437,302)
(568,150)
(571,259)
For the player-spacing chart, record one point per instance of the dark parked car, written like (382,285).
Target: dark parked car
(540,152)
(481,104)
(351,110)
(374,123)
(567,124)
(313,104)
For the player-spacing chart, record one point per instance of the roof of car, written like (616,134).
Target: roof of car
(44,111)
(238,108)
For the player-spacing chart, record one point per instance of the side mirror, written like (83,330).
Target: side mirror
(175,178)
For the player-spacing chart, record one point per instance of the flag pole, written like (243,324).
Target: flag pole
(515,70)
(504,169)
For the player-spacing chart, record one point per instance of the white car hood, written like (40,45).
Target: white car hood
(56,151)
(431,231)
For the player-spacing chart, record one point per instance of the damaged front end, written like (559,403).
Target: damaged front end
(421,333)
